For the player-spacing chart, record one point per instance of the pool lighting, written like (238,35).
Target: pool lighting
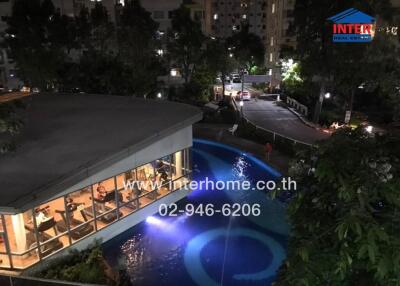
(153,220)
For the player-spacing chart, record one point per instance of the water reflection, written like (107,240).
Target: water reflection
(239,168)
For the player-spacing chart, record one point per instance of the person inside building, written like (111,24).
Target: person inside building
(101,192)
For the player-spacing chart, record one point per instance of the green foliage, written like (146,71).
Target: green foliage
(185,41)
(137,47)
(345,215)
(247,48)
(292,77)
(85,266)
(35,42)
(218,60)
(87,52)
(343,67)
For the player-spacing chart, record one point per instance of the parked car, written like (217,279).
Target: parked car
(245,96)
(236,79)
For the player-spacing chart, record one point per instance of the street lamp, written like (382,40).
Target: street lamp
(241,103)
(160,52)
(322,96)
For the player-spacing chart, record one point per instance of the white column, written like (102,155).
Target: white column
(178,164)
(19,231)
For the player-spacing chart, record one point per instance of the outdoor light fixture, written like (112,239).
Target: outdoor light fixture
(174,72)
(159,95)
(231,55)
(160,52)
(241,103)
(327,95)
(369,129)
(215,16)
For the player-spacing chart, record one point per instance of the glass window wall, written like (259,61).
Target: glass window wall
(28,237)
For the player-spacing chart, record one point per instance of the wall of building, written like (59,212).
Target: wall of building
(229,16)
(97,207)
(279,17)
(113,230)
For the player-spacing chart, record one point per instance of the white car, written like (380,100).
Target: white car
(245,95)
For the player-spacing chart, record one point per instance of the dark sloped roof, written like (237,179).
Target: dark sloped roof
(66,135)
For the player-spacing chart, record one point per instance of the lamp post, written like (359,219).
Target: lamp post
(241,103)
(322,96)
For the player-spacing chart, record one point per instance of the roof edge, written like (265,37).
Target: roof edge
(45,192)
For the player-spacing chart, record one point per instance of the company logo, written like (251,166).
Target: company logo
(352,26)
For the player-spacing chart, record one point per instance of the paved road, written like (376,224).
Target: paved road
(266,114)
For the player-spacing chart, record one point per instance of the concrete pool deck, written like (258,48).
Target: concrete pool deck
(220,133)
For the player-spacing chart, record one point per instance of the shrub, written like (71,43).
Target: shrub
(345,217)
(86,266)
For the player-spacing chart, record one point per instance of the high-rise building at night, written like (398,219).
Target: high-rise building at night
(278,35)
(228,17)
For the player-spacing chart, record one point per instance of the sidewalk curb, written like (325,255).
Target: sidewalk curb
(306,122)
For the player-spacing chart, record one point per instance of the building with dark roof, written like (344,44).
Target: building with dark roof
(83,165)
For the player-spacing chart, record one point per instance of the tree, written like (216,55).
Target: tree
(291,73)
(101,74)
(345,218)
(36,48)
(324,62)
(137,47)
(218,60)
(247,48)
(185,41)
(102,30)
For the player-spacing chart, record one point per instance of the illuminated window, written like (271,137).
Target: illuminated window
(215,16)
(270,72)
(271,57)
(78,217)
(273,8)
(22,239)
(272,41)
(42,231)
(105,201)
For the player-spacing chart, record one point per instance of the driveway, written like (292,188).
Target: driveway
(266,114)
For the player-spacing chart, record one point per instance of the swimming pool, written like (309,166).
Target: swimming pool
(209,251)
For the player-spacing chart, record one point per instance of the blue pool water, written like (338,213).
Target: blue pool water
(209,251)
